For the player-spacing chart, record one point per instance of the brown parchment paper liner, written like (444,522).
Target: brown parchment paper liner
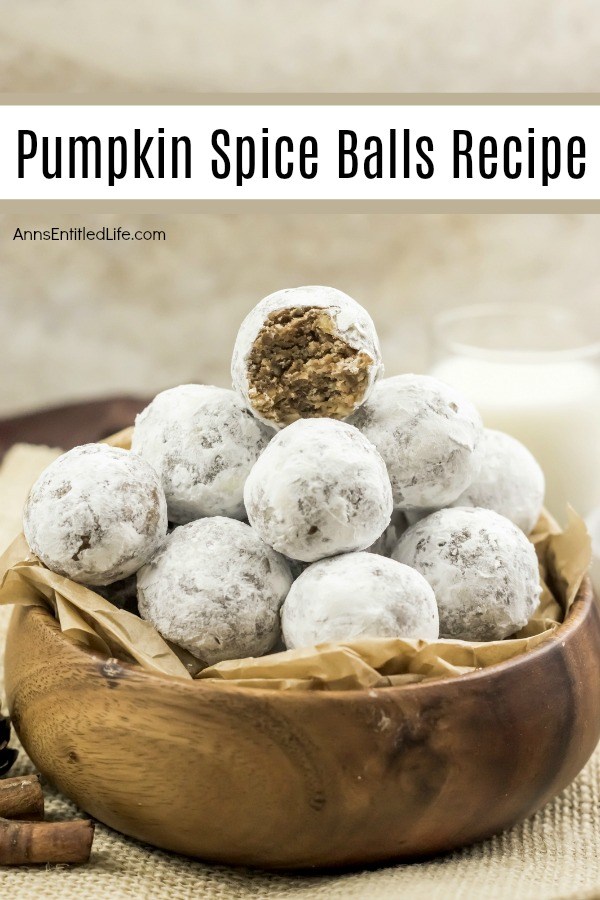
(92,621)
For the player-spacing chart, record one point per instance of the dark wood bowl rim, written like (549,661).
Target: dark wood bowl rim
(578,612)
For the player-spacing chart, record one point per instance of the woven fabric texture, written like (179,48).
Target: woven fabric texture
(555,855)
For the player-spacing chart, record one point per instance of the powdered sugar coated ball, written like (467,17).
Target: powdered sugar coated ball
(482,569)
(427,434)
(306,352)
(215,589)
(96,514)
(510,481)
(358,595)
(319,488)
(203,442)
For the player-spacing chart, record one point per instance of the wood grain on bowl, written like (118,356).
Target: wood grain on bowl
(298,779)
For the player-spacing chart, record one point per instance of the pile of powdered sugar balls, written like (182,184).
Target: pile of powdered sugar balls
(316,501)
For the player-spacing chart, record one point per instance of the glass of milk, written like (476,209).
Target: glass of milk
(534,372)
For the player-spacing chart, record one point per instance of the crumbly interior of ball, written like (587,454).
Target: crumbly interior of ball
(299,368)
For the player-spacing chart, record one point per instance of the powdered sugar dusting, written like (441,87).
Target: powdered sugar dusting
(427,433)
(320,488)
(358,595)
(215,589)
(96,514)
(510,481)
(202,441)
(482,568)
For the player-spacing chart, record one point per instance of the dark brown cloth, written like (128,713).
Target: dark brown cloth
(72,424)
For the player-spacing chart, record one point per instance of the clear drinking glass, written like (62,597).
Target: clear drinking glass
(534,372)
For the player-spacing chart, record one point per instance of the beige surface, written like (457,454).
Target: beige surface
(556,854)
(300,45)
(85,319)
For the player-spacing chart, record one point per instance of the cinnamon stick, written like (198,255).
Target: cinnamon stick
(21,798)
(30,843)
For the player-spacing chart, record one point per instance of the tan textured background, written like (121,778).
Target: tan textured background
(300,45)
(85,319)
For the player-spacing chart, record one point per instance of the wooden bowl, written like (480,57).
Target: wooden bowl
(298,779)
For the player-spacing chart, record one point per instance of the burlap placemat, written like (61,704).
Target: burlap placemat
(555,854)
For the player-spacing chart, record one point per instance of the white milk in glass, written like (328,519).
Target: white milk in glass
(548,400)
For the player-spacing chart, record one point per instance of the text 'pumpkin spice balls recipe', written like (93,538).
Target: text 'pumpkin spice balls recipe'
(441,505)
